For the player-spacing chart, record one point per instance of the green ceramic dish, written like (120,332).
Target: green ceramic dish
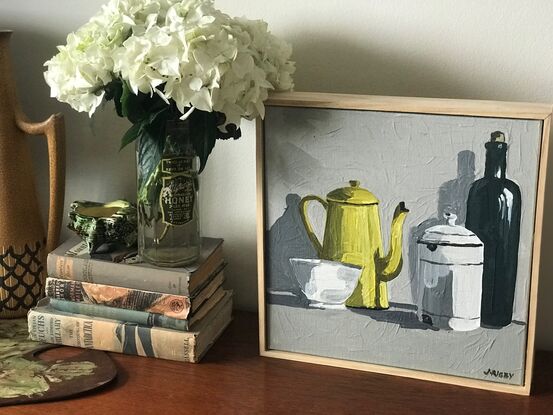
(112,224)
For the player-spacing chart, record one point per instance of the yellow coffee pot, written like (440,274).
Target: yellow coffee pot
(352,235)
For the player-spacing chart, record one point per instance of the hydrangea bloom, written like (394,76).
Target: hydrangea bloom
(186,51)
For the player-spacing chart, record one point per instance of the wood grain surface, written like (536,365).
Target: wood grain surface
(499,109)
(233,379)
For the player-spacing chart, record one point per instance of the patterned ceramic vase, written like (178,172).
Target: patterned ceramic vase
(23,243)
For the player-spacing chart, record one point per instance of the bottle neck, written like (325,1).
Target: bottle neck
(496,160)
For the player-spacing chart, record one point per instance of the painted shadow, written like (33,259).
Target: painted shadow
(404,315)
(452,198)
(287,239)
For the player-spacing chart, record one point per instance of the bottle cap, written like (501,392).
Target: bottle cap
(497,137)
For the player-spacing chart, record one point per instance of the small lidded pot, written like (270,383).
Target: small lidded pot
(450,276)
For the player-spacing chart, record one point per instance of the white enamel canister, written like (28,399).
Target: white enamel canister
(450,276)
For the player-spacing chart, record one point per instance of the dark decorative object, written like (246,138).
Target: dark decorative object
(493,214)
(27,291)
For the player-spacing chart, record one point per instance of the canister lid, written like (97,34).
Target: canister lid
(450,234)
(354,194)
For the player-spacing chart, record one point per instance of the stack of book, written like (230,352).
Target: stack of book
(110,302)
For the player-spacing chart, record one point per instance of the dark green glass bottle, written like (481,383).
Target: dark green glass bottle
(493,214)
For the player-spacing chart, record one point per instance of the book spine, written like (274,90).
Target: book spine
(124,275)
(175,306)
(130,316)
(112,336)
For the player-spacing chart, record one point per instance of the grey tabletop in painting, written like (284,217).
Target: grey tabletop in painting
(398,239)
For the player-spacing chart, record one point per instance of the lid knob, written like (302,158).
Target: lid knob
(353,194)
(450,218)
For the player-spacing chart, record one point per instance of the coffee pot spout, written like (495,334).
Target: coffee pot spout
(390,265)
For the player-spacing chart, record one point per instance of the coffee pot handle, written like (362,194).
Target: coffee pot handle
(307,224)
(54,130)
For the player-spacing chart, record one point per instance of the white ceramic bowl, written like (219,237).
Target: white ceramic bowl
(326,282)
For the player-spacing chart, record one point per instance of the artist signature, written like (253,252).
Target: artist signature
(499,374)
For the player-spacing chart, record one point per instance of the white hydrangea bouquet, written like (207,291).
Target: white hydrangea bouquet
(166,59)
(162,61)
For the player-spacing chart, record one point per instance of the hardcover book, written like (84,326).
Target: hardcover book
(130,316)
(170,305)
(142,317)
(71,261)
(49,325)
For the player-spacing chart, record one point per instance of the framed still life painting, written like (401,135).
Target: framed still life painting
(402,235)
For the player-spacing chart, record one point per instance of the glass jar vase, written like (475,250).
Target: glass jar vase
(168,212)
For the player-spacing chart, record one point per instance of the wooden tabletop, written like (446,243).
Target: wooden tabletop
(233,379)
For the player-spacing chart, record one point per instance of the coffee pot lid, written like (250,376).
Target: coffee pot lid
(450,234)
(353,194)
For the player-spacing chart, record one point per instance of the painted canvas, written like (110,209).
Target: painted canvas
(401,239)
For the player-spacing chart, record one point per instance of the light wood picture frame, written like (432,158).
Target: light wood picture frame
(443,298)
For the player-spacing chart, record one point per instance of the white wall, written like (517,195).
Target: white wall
(498,49)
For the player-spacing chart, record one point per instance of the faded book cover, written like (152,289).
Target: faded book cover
(53,326)
(175,306)
(131,316)
(208,297)
(72,261)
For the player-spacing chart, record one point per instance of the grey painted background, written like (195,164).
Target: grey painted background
(427,161)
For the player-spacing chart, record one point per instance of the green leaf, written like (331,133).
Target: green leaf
(149,159)
(203,129)
(159,116)
(117,99)
(114,90)
(131,135)
(131,104)
(151,135)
